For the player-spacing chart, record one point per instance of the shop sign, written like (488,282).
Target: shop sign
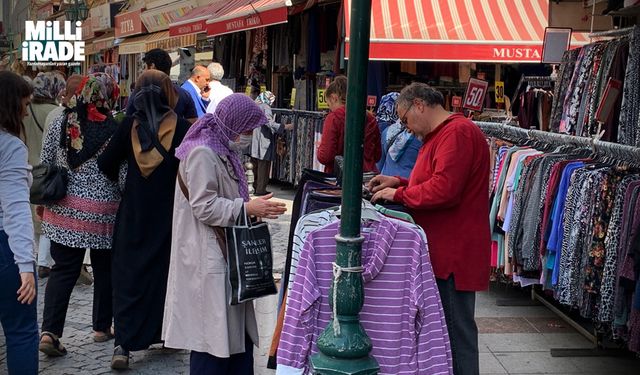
(499,92)
(322,100)
(87,29)
(475,94)
(251,21)
(371,100)
(44,11)
(159,19)
(129,23)
(189,28)
(101,17)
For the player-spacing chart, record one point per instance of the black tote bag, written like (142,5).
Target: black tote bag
(249,260)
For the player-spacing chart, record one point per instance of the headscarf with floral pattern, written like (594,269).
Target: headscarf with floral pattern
(89,122)
(48,85)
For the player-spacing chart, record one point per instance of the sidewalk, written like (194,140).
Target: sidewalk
(513,340)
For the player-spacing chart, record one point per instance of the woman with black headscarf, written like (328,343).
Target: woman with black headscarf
(142,237)
(85,217)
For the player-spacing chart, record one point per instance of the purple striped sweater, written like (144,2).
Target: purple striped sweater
(402,312)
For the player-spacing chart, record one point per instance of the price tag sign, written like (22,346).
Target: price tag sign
(247,91)
(293,97)
(322,100)
(456,101)
(263,88)
(499,92)
(371,100)
(476,92)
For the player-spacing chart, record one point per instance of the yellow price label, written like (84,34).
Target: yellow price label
(247,91)
(293,97)
(499,92)
(263,88)
(322,100)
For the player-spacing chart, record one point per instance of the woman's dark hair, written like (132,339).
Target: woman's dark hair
(338,87)
(160,58)
(13,89)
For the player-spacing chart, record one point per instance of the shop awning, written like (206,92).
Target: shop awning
(99,43)
(239,15)
(195,21)
(161,39)
(458,30)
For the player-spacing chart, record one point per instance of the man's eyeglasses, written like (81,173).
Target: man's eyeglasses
(403,119)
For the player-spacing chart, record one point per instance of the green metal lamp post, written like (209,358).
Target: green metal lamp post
(344,345)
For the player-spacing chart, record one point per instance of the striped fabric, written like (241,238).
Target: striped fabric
(478,25)
(402,313)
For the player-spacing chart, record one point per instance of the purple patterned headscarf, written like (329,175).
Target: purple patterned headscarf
(234,115)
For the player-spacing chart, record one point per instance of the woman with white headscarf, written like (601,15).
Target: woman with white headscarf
(262,144)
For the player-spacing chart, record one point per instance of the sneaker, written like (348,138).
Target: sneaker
(43,272)
(85,277)
(120,359)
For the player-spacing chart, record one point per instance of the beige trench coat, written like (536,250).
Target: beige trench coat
(197,315)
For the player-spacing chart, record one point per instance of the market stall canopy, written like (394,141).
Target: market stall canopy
(510,31)
(239,15)
(160,39)
(195,21)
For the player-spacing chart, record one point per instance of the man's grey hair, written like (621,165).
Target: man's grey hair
(198,70)
(216,70)
(422,91)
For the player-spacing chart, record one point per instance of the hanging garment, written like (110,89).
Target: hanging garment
(398,305)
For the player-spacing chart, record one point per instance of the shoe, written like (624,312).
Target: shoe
(85,277)
(120,359)
(52,349)
(43,272)
(103,336)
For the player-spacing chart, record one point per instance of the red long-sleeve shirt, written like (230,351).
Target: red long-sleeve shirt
(332,142)
(448,195)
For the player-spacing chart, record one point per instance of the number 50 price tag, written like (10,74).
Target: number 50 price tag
(476,92)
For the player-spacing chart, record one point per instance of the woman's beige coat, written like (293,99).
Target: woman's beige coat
(197,315)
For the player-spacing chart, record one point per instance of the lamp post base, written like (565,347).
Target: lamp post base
(324,365)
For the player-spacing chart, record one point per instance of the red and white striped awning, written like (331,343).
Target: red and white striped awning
(195,21)
(239,15)
(458,30)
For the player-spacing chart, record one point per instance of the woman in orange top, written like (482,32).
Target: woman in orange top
(333,130)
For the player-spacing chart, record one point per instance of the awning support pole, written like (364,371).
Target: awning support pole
(344,346)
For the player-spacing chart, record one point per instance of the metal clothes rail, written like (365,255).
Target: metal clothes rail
(613,33)
(616,151)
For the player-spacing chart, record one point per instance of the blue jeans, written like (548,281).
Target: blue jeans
(19,322)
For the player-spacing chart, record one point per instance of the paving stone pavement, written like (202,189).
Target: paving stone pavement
(87,357)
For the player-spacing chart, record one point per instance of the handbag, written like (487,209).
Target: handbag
(49,184)
(249,260)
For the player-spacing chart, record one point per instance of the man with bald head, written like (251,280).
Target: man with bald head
(198,87)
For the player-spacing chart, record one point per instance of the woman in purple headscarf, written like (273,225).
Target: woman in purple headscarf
(212,191)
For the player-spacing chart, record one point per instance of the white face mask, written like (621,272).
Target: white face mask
(242,145)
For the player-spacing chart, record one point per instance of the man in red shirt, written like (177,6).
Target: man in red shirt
(448,196)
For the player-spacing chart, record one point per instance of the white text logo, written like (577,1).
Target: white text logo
(53,43)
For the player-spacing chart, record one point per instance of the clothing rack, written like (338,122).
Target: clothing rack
(619,152)
(540,81)
(616,151)
(614,33)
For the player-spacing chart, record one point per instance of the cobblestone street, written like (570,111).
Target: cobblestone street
(87,357)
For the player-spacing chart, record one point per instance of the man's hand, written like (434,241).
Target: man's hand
(386,194)
(382,182)
(39,212)
(262,207)
(288,126)
(27,291)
